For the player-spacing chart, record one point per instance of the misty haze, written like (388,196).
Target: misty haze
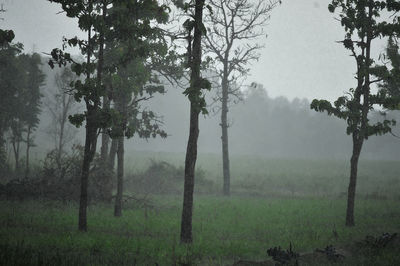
(199,132)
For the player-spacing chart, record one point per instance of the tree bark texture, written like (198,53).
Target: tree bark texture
(357,145)
(191,150)
(105,177)
(28,146)
(16,145)
(224,137)
(190,165)
(90,149)
(120,177)
(113,153)
(60,140)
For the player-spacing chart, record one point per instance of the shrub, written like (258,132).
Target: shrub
(164,178)
(58,180)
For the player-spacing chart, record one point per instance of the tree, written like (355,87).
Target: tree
(26,105)
(133,62)
(390,85)
(131,86)
(34,81)
(17,129)
(234,26)
(8,52)
(113,29)
(61,105)
(105,182)
(9,82)
(195,30)
(361,23)
(91,90)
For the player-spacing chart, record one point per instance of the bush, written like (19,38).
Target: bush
(164,178)
(58,180)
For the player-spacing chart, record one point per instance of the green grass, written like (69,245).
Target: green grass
(224,229)
(287,177)
(274,203)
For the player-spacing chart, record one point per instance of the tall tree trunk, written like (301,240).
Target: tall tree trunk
(104,177)
(3,155)
(191,151)
(105,138)
(61,136)
(113,153)
(28,145)
(15,145)
(90,149)
(224,137)
(105,181)
(190,165)
(110,165)
(358,137)
(351,194)
(120,177)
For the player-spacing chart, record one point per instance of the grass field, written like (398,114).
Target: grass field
(274,203)
(287,177)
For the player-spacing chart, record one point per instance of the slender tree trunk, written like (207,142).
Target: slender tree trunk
(105,138)
(224,137)
(120,177)
(28,145)
(90,149)
(191,151)
(105,181)
(357,145)
(358,137)
(190,165)
(3,153)
(61,137)
(2,141)
(15,145)
(110,165)
(104,177)
(113,153)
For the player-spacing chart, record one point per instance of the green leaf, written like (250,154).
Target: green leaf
(77,119)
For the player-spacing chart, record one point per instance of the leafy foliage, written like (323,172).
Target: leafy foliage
(20,81)
(6,37)
(90,90)
(9,83)
(389,87)
(195,91)
(360,20)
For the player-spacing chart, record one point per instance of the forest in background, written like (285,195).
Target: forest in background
(259,125)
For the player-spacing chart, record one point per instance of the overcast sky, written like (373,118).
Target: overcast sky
(301,57)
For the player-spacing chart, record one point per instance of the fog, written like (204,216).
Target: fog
(293,69)
(199,132)
(301,58)
(261,125)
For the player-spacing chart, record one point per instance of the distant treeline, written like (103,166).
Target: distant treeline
(259,125)
(270,127)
